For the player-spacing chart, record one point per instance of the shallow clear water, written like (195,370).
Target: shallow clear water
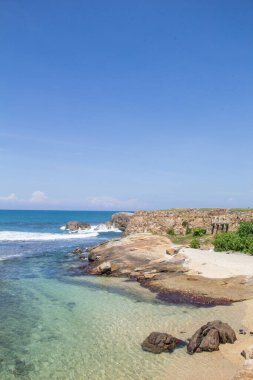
(59,325)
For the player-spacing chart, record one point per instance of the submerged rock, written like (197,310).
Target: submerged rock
(158,342)
(22,369)
(77,251)
(75,225)
(209,337)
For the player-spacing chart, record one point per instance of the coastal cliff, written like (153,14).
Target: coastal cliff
(179,220)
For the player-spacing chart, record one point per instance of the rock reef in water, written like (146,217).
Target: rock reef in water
(74,225)
(209,337)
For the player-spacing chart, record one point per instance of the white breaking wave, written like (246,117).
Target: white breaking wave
(7,257)
(104,228)
(25,236)
(95,228)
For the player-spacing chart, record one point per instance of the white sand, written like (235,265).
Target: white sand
(217,264)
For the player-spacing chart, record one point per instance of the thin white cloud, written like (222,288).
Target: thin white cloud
(8,198)
(112,203)
(38,197)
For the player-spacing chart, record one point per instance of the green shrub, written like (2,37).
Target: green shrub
(248,245)
(170,231)
(199,231)
(246,229)
(229,241)
(195,243)
(185,223)
(232,241)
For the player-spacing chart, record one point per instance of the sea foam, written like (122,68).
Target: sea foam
(25,236)
(94,228)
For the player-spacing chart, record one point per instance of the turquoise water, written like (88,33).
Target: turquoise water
(59,324)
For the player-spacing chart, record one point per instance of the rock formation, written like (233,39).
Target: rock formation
(209,337)
(75,226)
(120,220)
(158,342)
(151,260)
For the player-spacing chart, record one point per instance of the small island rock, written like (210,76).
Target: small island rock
(75,226)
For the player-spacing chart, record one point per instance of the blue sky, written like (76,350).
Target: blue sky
(126,104)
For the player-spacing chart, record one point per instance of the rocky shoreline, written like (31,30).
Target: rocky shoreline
(146,258)
(174,273)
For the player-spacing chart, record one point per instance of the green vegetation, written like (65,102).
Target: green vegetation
(195,243)
(171,231)
(205,241)
(246,229)
(199,231)
(241,240)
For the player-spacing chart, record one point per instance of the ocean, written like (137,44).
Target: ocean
(59,324)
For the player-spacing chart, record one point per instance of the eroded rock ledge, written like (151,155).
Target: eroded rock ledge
(144,257)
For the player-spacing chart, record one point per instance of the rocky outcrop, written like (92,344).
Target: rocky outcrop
(209,337)
(75,226)
(158,342)
(136,256)
(151,260)
(179,220)
(120,220)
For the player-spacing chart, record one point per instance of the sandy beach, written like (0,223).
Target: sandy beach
(212,264)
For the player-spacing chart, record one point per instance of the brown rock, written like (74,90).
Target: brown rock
(104,268)
(209,336)
(120,220)
(158,342)
(172,250)
(210,342)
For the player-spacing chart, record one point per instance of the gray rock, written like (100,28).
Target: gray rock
(75,225)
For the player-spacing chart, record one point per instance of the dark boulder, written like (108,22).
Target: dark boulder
(158,342)
(74,226)
(93,256)
(209,337)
